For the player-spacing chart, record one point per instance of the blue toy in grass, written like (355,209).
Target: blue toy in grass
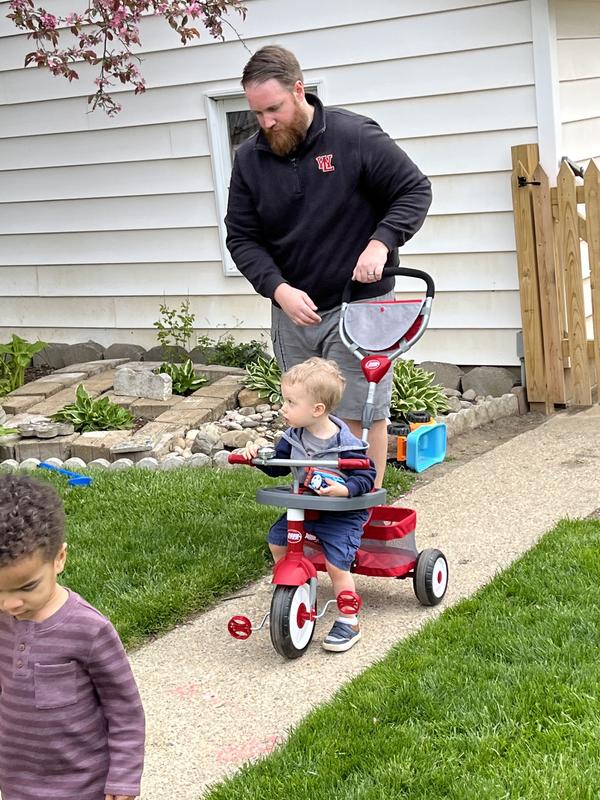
(74,478)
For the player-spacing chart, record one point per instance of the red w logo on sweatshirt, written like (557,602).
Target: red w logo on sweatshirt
(324,163)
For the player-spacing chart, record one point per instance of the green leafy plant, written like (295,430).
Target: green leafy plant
(264,376)
(175,327)
(7,431)
(412,391)
(229,353)
(14,360)
(87,414)
(185,380)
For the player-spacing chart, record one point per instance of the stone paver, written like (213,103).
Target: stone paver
(15,405)
(93,367)
(58,401)
(101,382)
(151,409)
(59,447)
(41,388)
(97,444)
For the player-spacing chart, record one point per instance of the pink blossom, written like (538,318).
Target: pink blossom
(48,21)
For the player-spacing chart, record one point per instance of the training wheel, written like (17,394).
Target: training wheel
(239,627)
(349,603)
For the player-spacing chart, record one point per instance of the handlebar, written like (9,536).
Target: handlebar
(404,272)
(331,463)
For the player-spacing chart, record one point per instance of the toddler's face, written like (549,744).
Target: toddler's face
(298,409)
(28,586)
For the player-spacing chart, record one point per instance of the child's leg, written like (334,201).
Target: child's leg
(346,630)
(341,579)
(277,551)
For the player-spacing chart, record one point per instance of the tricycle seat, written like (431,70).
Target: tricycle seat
(283,496)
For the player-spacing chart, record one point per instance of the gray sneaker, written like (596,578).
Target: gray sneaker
(342,636)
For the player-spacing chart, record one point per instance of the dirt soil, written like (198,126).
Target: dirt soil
(471,444)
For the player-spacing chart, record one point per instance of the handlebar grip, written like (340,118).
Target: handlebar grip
(354,463)
(238,458)
(406,272)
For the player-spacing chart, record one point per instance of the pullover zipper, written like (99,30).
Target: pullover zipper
(297,175)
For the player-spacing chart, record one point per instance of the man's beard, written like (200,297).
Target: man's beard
(287,139)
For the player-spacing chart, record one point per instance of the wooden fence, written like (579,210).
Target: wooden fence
(561,343)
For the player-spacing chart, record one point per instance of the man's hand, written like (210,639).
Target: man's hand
(371,262)
(333,489)
(296,305)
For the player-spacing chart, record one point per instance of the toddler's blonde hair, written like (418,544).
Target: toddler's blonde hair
(321,378)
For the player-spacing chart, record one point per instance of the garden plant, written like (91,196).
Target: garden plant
(87,414)
(15,357)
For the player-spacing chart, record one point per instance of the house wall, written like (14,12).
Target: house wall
(101,219)
(578,35)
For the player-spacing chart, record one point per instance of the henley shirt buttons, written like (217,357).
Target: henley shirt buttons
(21,646)
(19,664)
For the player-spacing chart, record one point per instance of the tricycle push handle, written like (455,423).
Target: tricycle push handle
(403,272)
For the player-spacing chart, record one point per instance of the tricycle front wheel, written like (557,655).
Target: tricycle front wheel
(430,579)
(291,626)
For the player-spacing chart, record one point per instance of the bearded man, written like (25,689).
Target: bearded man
(318,196)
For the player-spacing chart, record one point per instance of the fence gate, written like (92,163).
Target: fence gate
(557,232)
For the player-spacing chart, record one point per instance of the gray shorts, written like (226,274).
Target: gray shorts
(293,344)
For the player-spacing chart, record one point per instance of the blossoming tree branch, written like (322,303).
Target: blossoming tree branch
(105,34)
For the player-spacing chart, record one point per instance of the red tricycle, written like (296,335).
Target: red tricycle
(388,548)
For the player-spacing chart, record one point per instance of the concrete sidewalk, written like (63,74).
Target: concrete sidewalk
(212,702)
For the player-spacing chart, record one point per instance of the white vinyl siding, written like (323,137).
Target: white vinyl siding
(101,219)
(578,33)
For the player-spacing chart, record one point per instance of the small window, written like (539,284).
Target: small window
(230,123)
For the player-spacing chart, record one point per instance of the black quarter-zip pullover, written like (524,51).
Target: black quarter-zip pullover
(305,219)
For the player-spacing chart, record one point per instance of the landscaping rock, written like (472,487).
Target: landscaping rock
(249,397)
(199,355)
(9,464)
(488,380)
(100,463)
(199,460)
(142,383)
(235,439)
(208,441)
(469,395)
(173,354)
(172,462)
(448,375)
(53,356)
(454,404)
(148,463)
(133,351)
(220,460)
(3,416)
(54,462)
(82,351)
(74,463)
(29,464)
(121,463)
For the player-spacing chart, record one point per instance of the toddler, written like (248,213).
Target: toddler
(310,391)
(71,718)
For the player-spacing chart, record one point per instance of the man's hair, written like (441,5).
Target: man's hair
(322,379)
(32,518)
(272,61)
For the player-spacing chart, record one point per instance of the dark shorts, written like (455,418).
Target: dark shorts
(339,535)
(293,344)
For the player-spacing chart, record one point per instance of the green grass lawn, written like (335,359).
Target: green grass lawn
(497,699)
(149,549)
